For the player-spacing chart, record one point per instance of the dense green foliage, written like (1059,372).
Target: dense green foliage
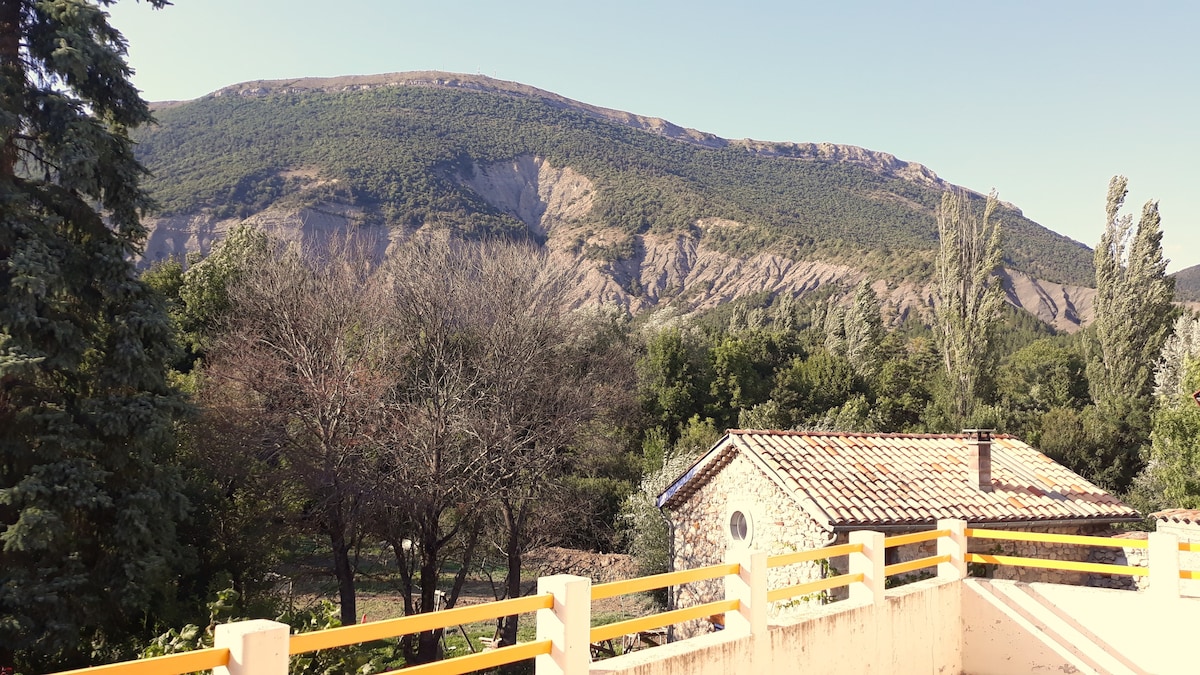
(396,151)
(90,495)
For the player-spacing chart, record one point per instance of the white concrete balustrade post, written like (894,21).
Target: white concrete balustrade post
(954,546)
(749,587)
(568,625)
(1163,560)
(256,647)
(870,564)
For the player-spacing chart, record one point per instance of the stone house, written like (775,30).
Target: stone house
(785,491)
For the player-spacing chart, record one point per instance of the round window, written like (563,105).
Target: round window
(739,528)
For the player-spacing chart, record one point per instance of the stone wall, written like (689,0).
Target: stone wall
(1035,549)
(1126,555)
(1179,522)
(776,525)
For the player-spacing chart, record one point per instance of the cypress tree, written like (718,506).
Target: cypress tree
(88,496)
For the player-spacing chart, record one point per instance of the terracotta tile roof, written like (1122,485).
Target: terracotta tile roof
(1179,515)
(901,479)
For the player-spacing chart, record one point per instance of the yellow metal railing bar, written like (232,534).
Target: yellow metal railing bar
(815,554)
(1012,535)
(786,592)
(1069,565)
(914,538)
(615,588)
(612,630)
(415,623)
(171,664)
(1190,546)
(919,563)
(489,659)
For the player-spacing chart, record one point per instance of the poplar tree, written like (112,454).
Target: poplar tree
(1172,476)
(1132,307)
(1133,313)
(864,332)
(88,496)
(967,296)
(1181,347)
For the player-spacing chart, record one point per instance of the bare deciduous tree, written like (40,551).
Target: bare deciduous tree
(418,402)
(495,385)
(303,354)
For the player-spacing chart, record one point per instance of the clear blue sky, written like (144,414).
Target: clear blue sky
(1043,101)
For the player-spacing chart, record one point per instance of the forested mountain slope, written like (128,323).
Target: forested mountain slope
(648,212)
(1187,284)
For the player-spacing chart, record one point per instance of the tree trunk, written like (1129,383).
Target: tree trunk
(512,582)
(428,643)
(460,579)
(10,62)
(345,574)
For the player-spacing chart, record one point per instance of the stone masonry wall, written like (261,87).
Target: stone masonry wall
(1185,530)
(1034,549)
(702,533)
(1107,555)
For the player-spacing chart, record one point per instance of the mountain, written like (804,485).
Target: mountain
(644,211)
(1187,284)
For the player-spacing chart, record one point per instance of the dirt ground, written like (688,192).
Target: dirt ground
(379,596)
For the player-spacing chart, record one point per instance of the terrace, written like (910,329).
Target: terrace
(950,623)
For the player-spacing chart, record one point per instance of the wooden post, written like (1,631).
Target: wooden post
(749,587)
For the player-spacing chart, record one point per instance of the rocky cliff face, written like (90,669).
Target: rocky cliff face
(533,192)
(679,270)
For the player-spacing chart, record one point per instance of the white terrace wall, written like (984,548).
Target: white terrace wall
(915,630)
(1189,532)
(1018,628)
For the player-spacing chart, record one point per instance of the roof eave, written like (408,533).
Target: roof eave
(1002,524)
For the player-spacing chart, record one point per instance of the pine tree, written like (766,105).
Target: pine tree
(88,497)
(967,295)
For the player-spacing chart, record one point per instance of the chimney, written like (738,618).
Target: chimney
(979,463)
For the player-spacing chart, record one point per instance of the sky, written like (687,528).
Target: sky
(1042,101)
